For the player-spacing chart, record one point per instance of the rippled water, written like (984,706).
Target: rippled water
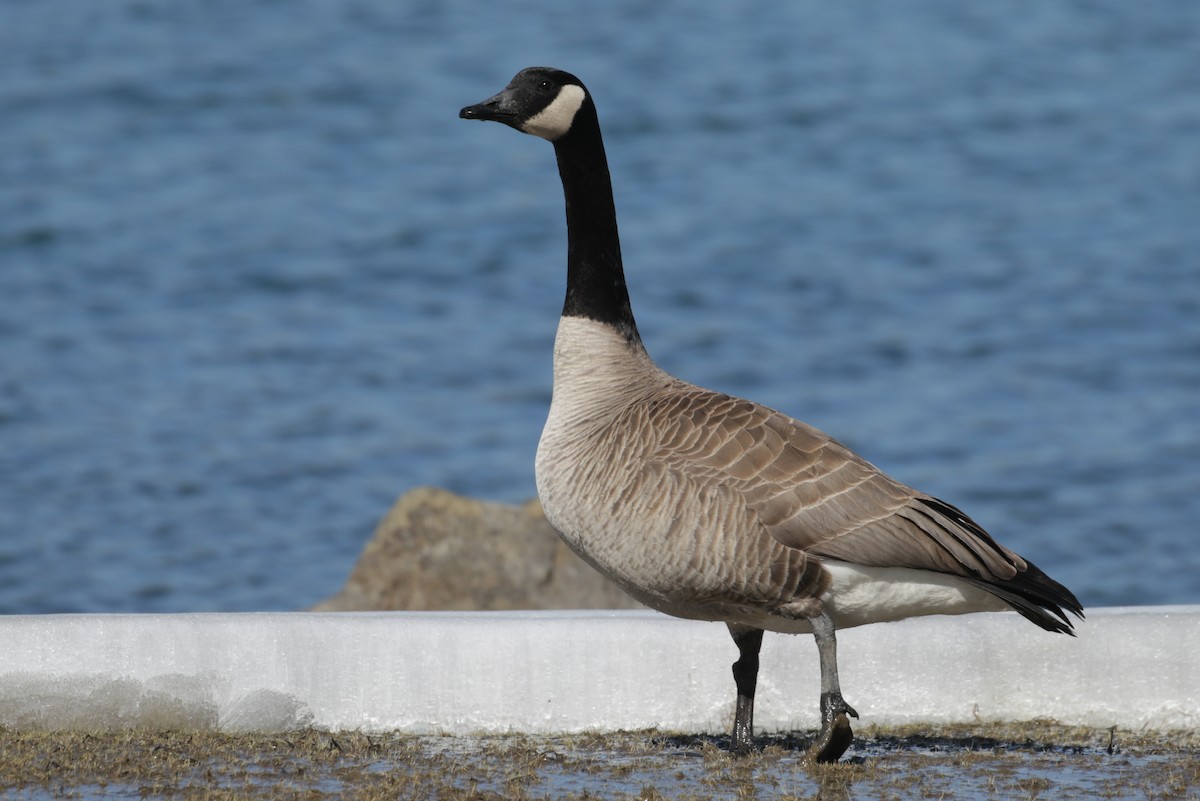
(257,279)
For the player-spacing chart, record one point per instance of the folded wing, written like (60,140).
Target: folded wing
(810,492)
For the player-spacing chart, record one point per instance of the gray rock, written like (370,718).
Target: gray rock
(438,550)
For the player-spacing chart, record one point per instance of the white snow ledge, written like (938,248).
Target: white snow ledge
(548,672)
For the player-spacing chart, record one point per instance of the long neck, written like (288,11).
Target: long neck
(595,278)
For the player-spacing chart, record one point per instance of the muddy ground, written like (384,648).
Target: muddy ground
(1024,761)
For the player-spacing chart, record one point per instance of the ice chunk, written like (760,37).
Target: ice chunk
(101,702)
(266,710)
(545,672)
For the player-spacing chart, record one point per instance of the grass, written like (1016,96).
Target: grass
(1038,760)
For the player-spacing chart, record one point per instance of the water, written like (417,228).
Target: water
(257,279)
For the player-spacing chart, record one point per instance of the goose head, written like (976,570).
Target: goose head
(540,101)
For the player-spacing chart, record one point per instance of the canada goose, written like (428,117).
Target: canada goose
(711,507)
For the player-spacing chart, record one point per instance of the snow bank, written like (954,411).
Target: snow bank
(572,671)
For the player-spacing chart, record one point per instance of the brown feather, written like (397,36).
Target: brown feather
(810,492)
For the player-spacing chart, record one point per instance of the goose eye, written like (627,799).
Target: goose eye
(544,85)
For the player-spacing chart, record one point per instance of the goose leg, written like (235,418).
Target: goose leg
(745,675)
(835,735)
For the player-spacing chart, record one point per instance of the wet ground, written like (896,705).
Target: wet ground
(1033,760)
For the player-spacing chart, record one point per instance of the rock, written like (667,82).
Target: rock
(438,550)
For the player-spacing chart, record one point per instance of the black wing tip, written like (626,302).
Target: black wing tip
(1038,598)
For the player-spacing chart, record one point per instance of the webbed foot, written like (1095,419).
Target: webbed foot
(835,735)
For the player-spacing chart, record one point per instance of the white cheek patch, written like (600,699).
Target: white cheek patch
(555,119)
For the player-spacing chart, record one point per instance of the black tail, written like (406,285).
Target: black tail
(1037,597)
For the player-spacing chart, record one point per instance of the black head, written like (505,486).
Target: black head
(541,101)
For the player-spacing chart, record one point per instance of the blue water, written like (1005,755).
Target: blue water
(257,279)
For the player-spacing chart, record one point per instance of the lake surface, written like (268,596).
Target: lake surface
(257,279)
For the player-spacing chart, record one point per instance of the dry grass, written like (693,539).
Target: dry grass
(1038,760)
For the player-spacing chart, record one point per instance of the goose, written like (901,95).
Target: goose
(709,507)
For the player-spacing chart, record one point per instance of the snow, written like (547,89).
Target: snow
(548,672)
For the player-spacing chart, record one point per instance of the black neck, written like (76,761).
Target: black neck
(595,278)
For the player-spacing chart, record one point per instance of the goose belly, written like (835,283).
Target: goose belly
(657,567)
(675,556)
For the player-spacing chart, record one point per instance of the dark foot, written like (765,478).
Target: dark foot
(832,742)
(832,705)
(836,735)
